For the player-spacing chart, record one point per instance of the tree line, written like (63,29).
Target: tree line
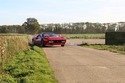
(83,27)
(32,26)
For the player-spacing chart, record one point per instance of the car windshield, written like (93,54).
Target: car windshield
(51,34)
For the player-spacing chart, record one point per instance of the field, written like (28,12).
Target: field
(22,63)
(84,36)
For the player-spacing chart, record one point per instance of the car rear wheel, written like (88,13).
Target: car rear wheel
(31,43)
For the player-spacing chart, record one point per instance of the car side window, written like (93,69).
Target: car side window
(38,37)
(45,35)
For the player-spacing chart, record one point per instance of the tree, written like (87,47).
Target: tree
(31,26)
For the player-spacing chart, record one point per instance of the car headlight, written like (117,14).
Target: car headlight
(63,41)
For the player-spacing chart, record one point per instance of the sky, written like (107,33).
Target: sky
(61,11)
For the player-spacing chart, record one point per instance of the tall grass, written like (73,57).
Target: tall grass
(9,45)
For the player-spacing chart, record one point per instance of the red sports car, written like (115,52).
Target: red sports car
(48,39)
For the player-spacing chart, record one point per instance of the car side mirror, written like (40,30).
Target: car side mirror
(37,37)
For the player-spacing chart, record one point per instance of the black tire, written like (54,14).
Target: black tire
(31,43)
(42,43)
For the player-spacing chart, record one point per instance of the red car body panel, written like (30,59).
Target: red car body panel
(49,40)
(54,41)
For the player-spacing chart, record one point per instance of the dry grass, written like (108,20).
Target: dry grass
(9,45)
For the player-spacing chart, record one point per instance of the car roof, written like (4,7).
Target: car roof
(47,33)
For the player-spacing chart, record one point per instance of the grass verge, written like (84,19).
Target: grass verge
(111,48)
(30,66)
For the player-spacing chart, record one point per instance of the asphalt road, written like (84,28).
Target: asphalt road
(75,64)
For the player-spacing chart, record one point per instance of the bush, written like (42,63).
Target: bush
(115,38)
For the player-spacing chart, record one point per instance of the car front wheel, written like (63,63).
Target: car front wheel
(62,45)
(42,43)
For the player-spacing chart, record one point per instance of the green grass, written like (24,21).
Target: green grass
(111,48)
(84,36)
(31,66)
